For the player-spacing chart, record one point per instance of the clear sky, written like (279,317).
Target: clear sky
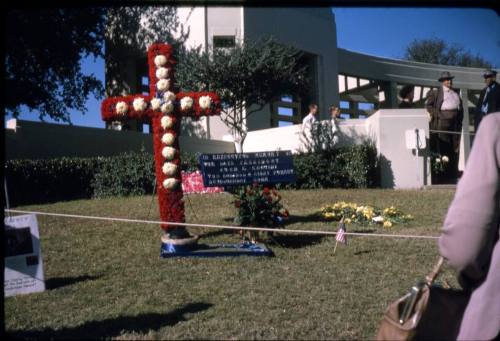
(382,32)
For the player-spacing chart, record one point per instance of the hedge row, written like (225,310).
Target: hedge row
(51,180)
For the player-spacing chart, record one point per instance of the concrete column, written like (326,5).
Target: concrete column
(391,95)
(465,137)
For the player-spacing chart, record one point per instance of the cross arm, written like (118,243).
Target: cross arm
(136,107)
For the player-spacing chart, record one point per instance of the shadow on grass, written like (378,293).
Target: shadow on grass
(296,241)
(310,218)
(114,327)
(59,282)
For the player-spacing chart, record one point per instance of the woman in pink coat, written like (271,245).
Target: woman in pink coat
(470,236)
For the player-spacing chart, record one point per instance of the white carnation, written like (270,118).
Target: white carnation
(121,108)
(167,107)
(168,153)
(139,104)
(438,160)
(163,85)
(162,73)
(186,103)
(170,183)
(169,96)
(155,103)
(160,60)
(168,139)
(205,102)
(167,122)
(169,168)
(445,159)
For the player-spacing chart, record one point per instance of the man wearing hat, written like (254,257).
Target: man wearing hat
(445,107)
(489,99)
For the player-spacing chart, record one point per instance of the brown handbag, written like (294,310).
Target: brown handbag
(427,312)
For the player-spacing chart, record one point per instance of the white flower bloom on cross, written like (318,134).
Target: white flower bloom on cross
(167,122)
(205,102)
(169,168)
(121,108)
(169,96)
(162,73)
(163,84)
(167,107)
(168,153)
(155,103)
(160,60)
(139,104)
(168,139)
(186,103)
(170,183)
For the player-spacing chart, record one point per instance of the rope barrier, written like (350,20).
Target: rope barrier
(450,132)
(227,227)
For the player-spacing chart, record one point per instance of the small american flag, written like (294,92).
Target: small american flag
(341,237)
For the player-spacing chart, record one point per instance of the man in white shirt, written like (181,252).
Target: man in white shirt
(310,119)
(307,127)
(445,107)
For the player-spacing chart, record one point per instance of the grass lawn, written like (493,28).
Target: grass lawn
(106,280)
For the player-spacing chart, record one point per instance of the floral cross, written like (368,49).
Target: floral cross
(164,108)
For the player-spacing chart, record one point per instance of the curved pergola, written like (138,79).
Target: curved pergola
(372,79)
(406,72)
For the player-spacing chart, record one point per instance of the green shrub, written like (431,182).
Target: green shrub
(347,167)
(51,180)
(125,174)
(41,181)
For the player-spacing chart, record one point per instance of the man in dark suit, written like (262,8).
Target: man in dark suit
(445,107)
(489,99)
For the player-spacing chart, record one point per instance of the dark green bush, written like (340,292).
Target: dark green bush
(347,167)
(125,174)
(51,180)
(41,181)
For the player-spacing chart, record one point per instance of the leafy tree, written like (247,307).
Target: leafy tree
(44,48)
(437,51)
(247,77)
(43,52)
(130,30)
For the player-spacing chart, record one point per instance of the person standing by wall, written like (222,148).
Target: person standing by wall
(445,108)
(335,118)
(311,118)
(406,94)
(489,99)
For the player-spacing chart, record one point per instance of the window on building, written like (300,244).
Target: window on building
(145,85)
(224,41)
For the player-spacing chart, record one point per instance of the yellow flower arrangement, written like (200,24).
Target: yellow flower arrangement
(364,214)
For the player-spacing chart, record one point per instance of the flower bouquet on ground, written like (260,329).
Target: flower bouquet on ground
(364,215)
(259,206)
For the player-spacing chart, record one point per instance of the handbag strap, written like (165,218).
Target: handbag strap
(429,279)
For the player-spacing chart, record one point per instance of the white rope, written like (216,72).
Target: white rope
(449,132)
(326,233)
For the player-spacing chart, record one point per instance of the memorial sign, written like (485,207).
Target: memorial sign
(246,168)
(23,272)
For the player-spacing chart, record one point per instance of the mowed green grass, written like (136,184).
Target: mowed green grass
(106,280)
